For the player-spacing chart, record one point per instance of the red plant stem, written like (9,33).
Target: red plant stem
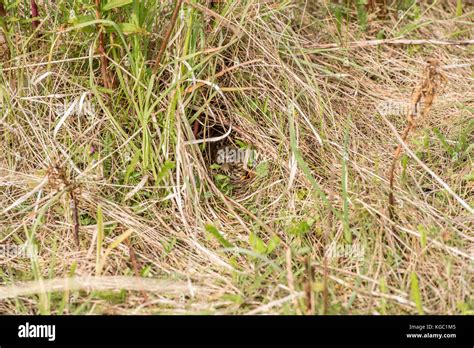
(174,16)
(136,269)
(3,13)
(75,216)
(4,32)
(34,14)
(103,59)
(196,128)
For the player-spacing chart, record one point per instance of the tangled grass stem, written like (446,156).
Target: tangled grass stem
(301,229)
(421,101)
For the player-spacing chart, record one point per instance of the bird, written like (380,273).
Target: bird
(234,163)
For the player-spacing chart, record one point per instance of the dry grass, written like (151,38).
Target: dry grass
(131,159)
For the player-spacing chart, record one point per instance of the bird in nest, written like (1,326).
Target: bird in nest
(232,166)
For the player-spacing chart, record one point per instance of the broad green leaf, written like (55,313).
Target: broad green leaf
(168,166)
(115,3)
(220,238)
(415,293)
(301,228)
(273,244)
(80,19)
(257,244)
(129,28)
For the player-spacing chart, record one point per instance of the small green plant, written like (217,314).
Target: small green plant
(218,236)
(362,13)
(415,292)
(260,247)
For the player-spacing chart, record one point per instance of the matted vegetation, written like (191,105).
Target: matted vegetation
(111,200)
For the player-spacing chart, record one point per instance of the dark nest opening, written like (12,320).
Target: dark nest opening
(226,159)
